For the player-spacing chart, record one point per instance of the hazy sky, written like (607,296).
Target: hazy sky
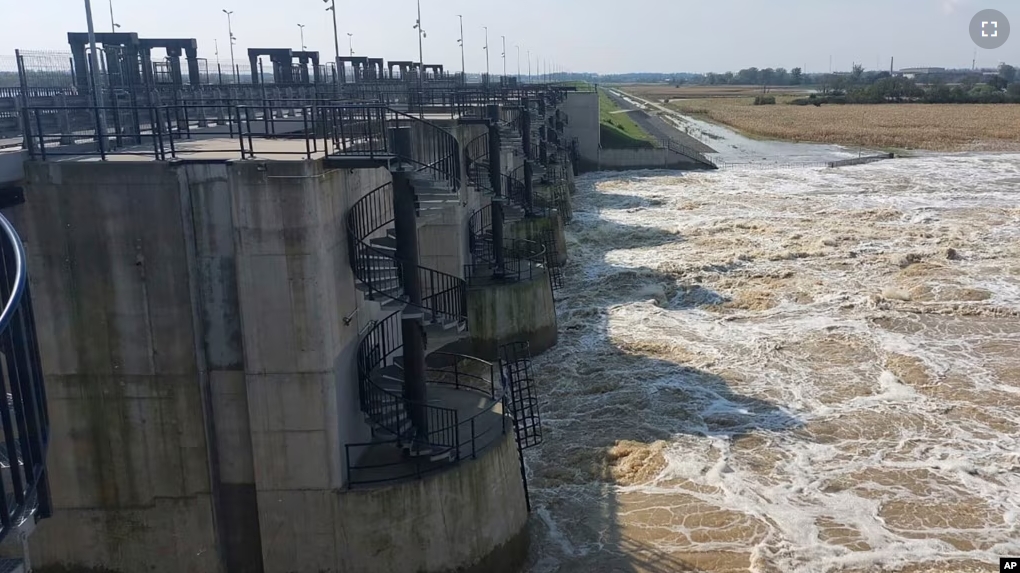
(580,35)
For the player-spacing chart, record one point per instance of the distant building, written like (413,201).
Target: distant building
(914,72)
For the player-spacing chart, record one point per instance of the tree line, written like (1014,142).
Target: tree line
(860,86)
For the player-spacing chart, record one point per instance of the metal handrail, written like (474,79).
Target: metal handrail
(24,421)
(444,296)
(445,430)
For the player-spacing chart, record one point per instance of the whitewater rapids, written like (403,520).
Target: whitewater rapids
(785,370)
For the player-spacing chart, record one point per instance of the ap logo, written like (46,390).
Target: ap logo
(1011,564)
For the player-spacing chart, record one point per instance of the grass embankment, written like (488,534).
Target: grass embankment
(618,130)
(935,127)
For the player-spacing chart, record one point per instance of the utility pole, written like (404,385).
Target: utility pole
(529,66)
(486,48)
(113,23)
(302,28)
(230,31)
(350,40)
(421,64)
(463,68)
(518,63)
(336,35)
(97,98)
(504,55)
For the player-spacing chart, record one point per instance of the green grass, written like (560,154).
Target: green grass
(618,130)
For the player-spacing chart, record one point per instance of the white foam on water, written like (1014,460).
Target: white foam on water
(810,424)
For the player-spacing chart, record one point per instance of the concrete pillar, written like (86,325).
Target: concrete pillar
(81,66)
(496,181)
(529,187)
(145,57)
(526,128)
(405,220)
(173,55)
(253,62)
(194,74)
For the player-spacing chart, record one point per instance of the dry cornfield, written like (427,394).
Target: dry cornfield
(936,127)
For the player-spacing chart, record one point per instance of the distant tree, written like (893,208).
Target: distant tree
(782,77)
(1007,72)
(767,77)
(796,76)
(856,73)
(968,82)
(998,82)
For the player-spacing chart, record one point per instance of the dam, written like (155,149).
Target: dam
(354,314)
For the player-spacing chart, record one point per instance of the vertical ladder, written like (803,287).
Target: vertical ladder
(522,402)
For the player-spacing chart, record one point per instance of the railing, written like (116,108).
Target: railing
(523,260)
(171,131)
(24,421)
(444,297)
(365,130)
(687,151)
(476,159)
(443,429)
(515,193)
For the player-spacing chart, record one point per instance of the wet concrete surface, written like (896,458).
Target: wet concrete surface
(731,149)
(656,126)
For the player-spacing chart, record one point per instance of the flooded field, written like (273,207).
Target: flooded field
(775,370)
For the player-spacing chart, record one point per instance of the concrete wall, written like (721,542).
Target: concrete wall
(470,520)
(128,454)
(502,313)
(534,229)
(202,380)
(582,109)
(622,159)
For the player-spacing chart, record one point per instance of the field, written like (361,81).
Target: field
(662,91)
(936,127)
(618,129)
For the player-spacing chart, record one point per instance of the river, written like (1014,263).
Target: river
(785,370)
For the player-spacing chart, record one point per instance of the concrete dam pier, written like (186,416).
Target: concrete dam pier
(304,347)
(281,329)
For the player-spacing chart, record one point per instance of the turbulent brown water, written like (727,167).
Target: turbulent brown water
(801,370)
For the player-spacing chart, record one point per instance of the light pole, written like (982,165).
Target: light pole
(336,35)
(113,23)
(97,98)
(421,64)
(529,66)
(504,55)
(486,48)
(350,40)
(230,30)
(463,69)
(518,63)
(302,28)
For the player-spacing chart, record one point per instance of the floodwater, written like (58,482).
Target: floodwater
(786,370)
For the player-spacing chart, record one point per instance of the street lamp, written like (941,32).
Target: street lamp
(302,28)
(113,23)
(350,39)
(336,35)
(421,63)
(486,48)
(230,30)
(463,69)
(97,98)
(504,55)
(518,63)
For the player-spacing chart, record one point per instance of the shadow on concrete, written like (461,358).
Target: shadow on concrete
(605,398)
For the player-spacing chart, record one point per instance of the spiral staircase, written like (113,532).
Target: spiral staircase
(424,420)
